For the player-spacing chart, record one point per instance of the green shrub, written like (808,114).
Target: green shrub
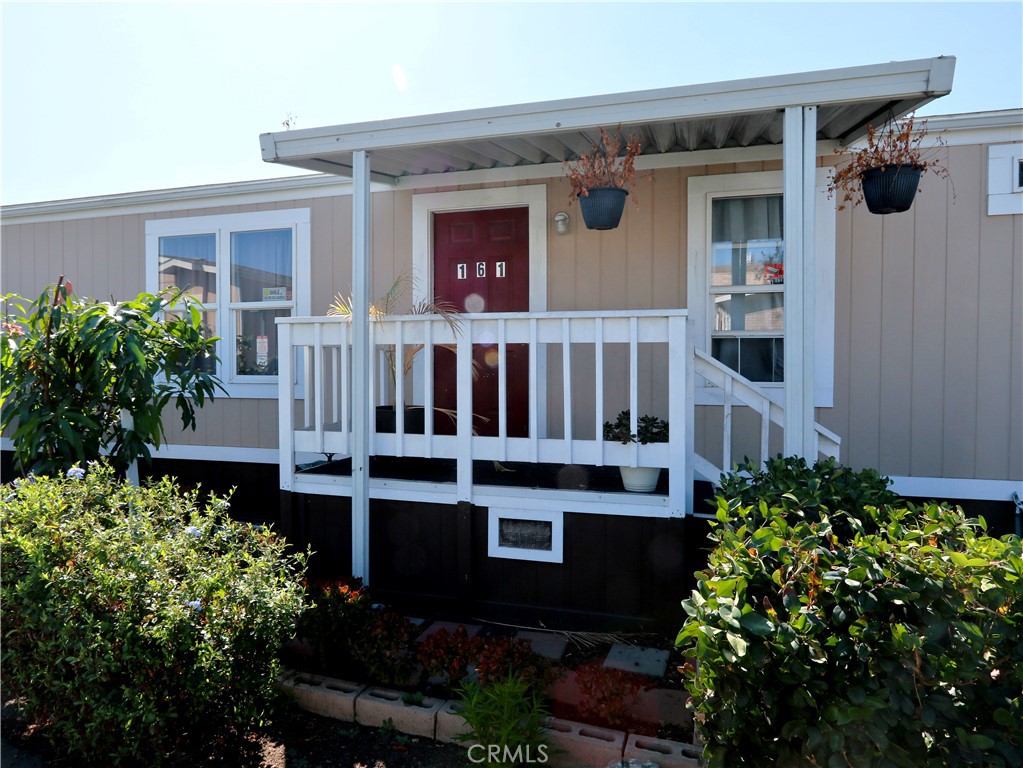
(896,643)
(69,367)
(788,483)
(134,623)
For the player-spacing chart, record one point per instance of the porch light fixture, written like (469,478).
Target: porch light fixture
(561,220)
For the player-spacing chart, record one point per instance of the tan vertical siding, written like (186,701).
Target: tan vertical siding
(928,339)
(928,308)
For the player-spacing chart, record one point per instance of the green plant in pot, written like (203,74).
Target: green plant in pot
(601,179)
(649,429)
(885,173)
(389,305)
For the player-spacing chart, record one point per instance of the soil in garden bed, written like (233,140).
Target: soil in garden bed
(297,739)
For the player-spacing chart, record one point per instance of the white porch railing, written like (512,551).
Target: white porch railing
(737,390)
(633,353)
(315,414)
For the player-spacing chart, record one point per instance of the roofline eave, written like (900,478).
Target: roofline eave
(921,79)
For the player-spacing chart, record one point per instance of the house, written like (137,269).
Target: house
(754,327)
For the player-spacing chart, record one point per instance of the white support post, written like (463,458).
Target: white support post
(463,400)
(361,395)
(678,418)
(286,405)
(798,167)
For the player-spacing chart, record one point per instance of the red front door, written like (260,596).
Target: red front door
(481,264)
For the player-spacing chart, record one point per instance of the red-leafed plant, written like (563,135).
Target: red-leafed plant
(898,143)
(602,166)
(501,656)
(608,694)
(449,653)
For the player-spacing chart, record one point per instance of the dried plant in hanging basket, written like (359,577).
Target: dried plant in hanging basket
(602,166)
(897,144)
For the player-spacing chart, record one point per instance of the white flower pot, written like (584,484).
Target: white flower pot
(640,479)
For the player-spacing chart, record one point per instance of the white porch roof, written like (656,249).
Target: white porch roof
(738,113)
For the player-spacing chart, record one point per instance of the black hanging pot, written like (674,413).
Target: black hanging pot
(890,188)
(602,208)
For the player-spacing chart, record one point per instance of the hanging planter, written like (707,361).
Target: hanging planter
(601,180)
(885,173)
(890,188)
(602,207)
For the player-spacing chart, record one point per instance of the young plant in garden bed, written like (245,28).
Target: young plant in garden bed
(840,633)
(507,713)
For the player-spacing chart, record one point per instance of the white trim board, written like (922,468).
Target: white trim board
(955,488)
(225,453)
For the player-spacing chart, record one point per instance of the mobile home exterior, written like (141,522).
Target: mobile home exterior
(899,348)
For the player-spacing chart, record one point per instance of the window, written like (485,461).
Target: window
(747,285)
(736,272)
(526,535)
(248,270)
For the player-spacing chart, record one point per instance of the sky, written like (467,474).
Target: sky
(108,98)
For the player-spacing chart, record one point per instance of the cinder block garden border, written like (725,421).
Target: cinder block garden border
(577,745)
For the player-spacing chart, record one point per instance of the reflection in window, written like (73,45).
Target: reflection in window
(747,285)
(261,265)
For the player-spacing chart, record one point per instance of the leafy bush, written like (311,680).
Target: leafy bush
(788,483)
(136,624)
(69,367)
(507,713)
(896,642)
(355,639)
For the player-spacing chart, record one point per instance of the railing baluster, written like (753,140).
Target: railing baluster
(634,385)
(399,388)
(319,408)
(463,376)
(307,402)
(502,387)
(566,378)
(598,372)
(428,387)
(534,426)
(346,434)
(765,428)
(726,449)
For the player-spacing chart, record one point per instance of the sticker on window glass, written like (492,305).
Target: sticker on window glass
(462,272)
(500,269)
(262,348)
(481,269)
(275,294)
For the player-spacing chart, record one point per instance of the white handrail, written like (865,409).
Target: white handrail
(738,389)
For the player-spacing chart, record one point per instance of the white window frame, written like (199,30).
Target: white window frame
(222,226)
(702,190)
(556,554)
(1004,194)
